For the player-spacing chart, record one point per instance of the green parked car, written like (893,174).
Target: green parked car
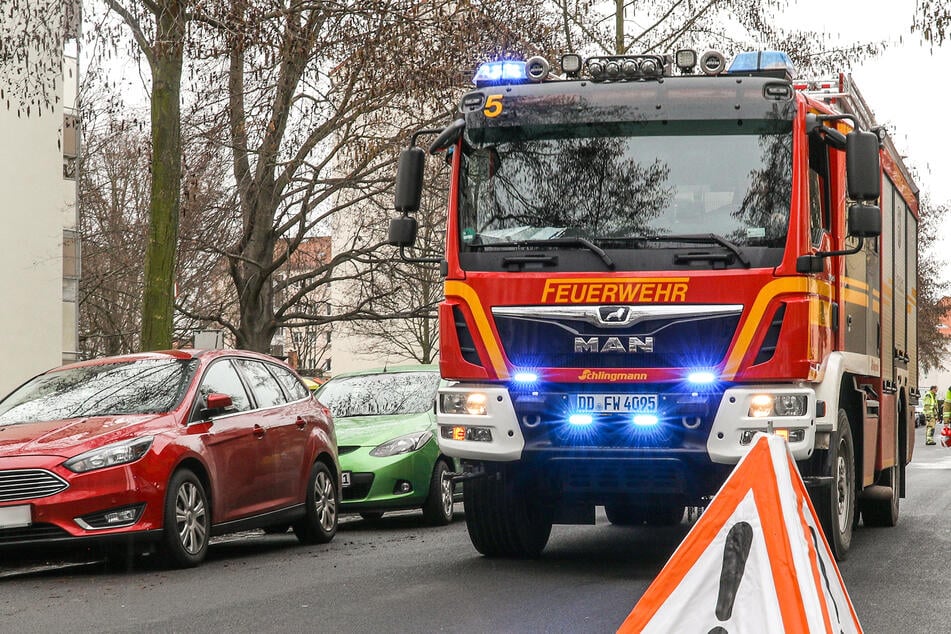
(386,441)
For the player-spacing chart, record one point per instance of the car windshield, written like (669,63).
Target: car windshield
(389,394)
(147,386)
(620,185)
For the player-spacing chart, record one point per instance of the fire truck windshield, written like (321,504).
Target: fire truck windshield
(627,185)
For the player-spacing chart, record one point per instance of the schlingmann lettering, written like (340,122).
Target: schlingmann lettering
(601,375)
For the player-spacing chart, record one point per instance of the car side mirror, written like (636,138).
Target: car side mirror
(216,403)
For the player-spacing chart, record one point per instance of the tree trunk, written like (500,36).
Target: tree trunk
(158,295)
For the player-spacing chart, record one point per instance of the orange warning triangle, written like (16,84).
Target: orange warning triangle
(755,561)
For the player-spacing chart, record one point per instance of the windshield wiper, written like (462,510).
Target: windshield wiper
(556,242)
(694,238)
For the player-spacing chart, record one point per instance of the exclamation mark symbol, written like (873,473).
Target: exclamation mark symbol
(735,553)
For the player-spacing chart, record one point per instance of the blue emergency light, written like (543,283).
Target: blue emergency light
(772,63)
(500,72)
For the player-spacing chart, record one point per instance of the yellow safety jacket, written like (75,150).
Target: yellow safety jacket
(931,404)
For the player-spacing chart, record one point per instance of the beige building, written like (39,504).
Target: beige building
(39,252)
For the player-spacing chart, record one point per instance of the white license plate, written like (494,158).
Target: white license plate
(616,402)
(15,516)
(345,479)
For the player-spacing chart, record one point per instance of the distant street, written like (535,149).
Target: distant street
(400,576)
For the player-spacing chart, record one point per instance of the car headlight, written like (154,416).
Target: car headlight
(403,444)
(111,455)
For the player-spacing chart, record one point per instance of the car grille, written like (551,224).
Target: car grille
(36,532)
(26,484)
(359,488)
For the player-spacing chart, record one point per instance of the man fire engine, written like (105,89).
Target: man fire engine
(649,259)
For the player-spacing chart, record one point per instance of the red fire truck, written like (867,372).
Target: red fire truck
(649,259)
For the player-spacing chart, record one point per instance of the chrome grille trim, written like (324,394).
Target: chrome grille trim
(26,484)
(633,315)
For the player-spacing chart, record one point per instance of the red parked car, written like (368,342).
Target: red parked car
(166,449)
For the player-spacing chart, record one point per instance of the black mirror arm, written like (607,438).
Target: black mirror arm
(852,251)
(412,260)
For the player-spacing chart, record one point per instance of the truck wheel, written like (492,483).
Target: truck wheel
(835,504)
(635,515)
(319,524)
(502,520)
(438,509)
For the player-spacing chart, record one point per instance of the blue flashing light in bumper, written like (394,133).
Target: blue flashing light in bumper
(645,420)
(500,72)
(580,419)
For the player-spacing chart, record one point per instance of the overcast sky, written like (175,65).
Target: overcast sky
(906,87)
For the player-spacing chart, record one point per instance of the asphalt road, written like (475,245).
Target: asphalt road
(400,576)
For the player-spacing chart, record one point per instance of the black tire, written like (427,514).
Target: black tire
(187,522)
(835,504)
(635,515)
(503,520)
(371,517)
(438,509)
(319,524)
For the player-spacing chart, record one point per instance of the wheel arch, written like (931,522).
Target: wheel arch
(197,467)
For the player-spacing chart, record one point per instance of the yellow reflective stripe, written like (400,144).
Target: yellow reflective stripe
(855,297)
(465,293)
(758,309)
(851,281)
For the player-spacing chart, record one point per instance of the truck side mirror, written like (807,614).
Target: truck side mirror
(403,231)
(865,221)
(409,179)
(862,166)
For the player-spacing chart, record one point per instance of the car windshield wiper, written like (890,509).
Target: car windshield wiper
(692,238)
(556,242)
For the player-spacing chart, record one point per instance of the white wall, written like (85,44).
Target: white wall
(31,233)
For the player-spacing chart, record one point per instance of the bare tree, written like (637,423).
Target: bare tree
(933,20)
(114,194)
(933,345)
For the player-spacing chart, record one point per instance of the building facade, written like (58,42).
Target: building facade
(39,254)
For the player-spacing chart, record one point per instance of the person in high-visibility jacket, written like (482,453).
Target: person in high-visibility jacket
(946,414)
(930,405)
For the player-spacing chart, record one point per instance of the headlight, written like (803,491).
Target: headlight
(403,444)
(471,403)
(764,405)
(111,455)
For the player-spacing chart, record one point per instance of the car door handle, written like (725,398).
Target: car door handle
(258,431)
(301,423)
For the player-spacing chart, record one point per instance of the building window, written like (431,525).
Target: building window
(70,254)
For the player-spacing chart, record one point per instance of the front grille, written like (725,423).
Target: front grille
(656,475)
(345,449)
(35,532)
(359,488)
(566,342)
(27,484)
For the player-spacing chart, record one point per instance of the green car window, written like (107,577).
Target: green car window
(384,394)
